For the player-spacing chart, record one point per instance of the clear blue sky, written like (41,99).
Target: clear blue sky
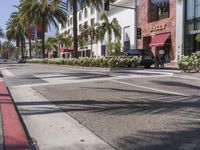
(6,8)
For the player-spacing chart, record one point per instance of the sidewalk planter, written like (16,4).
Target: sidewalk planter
(190,63)
(113,61)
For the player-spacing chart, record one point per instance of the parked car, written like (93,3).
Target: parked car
(147,56)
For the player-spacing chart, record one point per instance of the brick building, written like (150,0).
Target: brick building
(157,20)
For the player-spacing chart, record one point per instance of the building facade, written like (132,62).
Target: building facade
(90,15)
(187,26)
(157,20)
(86,16)
(126,17)
(192,26)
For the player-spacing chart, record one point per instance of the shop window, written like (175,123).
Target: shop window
(190,27)
(197,8)
(85,13)
(190,9)
(189,44)
(193,9)
(71,21)
(68,22)
(103,50)
(79,53)
(63,26)
(159,9)
(92,21)
(92,9)
(126,35)
(80,27)
(80,16)
(83,53)
(87,53)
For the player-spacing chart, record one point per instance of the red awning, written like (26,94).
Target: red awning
(63,49)
(160,39)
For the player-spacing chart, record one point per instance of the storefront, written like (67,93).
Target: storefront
(157,20)
(66,52)
(192,26)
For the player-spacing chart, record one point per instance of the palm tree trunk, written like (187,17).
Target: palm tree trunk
(91,45)
(75,28)
(30,48)
(58,52)
(22,48)
(43,36)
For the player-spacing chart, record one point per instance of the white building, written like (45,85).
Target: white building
(180,28)
(187,27)
(89,15)
(127,20)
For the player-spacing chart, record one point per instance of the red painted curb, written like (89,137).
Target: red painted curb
(13,133)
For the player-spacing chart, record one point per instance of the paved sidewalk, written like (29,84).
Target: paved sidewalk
(56,130)
(13,136)
(1,134)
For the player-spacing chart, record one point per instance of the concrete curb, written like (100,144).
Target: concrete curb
(13,133)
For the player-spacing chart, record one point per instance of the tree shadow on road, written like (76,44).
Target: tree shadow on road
(183,139)
(181,105)
(177,84)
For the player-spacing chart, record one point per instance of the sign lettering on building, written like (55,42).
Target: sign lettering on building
(194,32)
(158,28)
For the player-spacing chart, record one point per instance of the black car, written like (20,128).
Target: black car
(147,56)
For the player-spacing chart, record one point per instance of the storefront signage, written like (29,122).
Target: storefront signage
(194,32)
(158,27)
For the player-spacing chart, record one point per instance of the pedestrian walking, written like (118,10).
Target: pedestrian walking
(162,61)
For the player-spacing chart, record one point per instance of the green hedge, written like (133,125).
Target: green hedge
(113,62)
(190,63)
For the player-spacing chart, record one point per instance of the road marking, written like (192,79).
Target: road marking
(149,88)
(7,73)
(65,81)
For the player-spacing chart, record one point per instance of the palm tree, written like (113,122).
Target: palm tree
(73,4)
(63,39)
(100,33)
(50,44)
(1,33)
(37,44)
(91,32)
(110,28)
(7,49)
(43,13)
(16,31)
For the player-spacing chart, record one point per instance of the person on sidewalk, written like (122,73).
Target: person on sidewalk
(156,61)
(162,61)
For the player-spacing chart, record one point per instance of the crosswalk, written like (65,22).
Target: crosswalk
(53,78)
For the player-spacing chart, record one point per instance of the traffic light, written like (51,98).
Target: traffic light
(39,35)
(106,5)
(139,33)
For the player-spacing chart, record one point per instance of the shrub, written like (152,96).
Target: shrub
(190,63)
(112,61)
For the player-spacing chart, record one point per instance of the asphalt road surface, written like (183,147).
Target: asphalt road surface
(129,110)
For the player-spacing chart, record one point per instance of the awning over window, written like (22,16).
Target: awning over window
(63,49)
(160,39)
